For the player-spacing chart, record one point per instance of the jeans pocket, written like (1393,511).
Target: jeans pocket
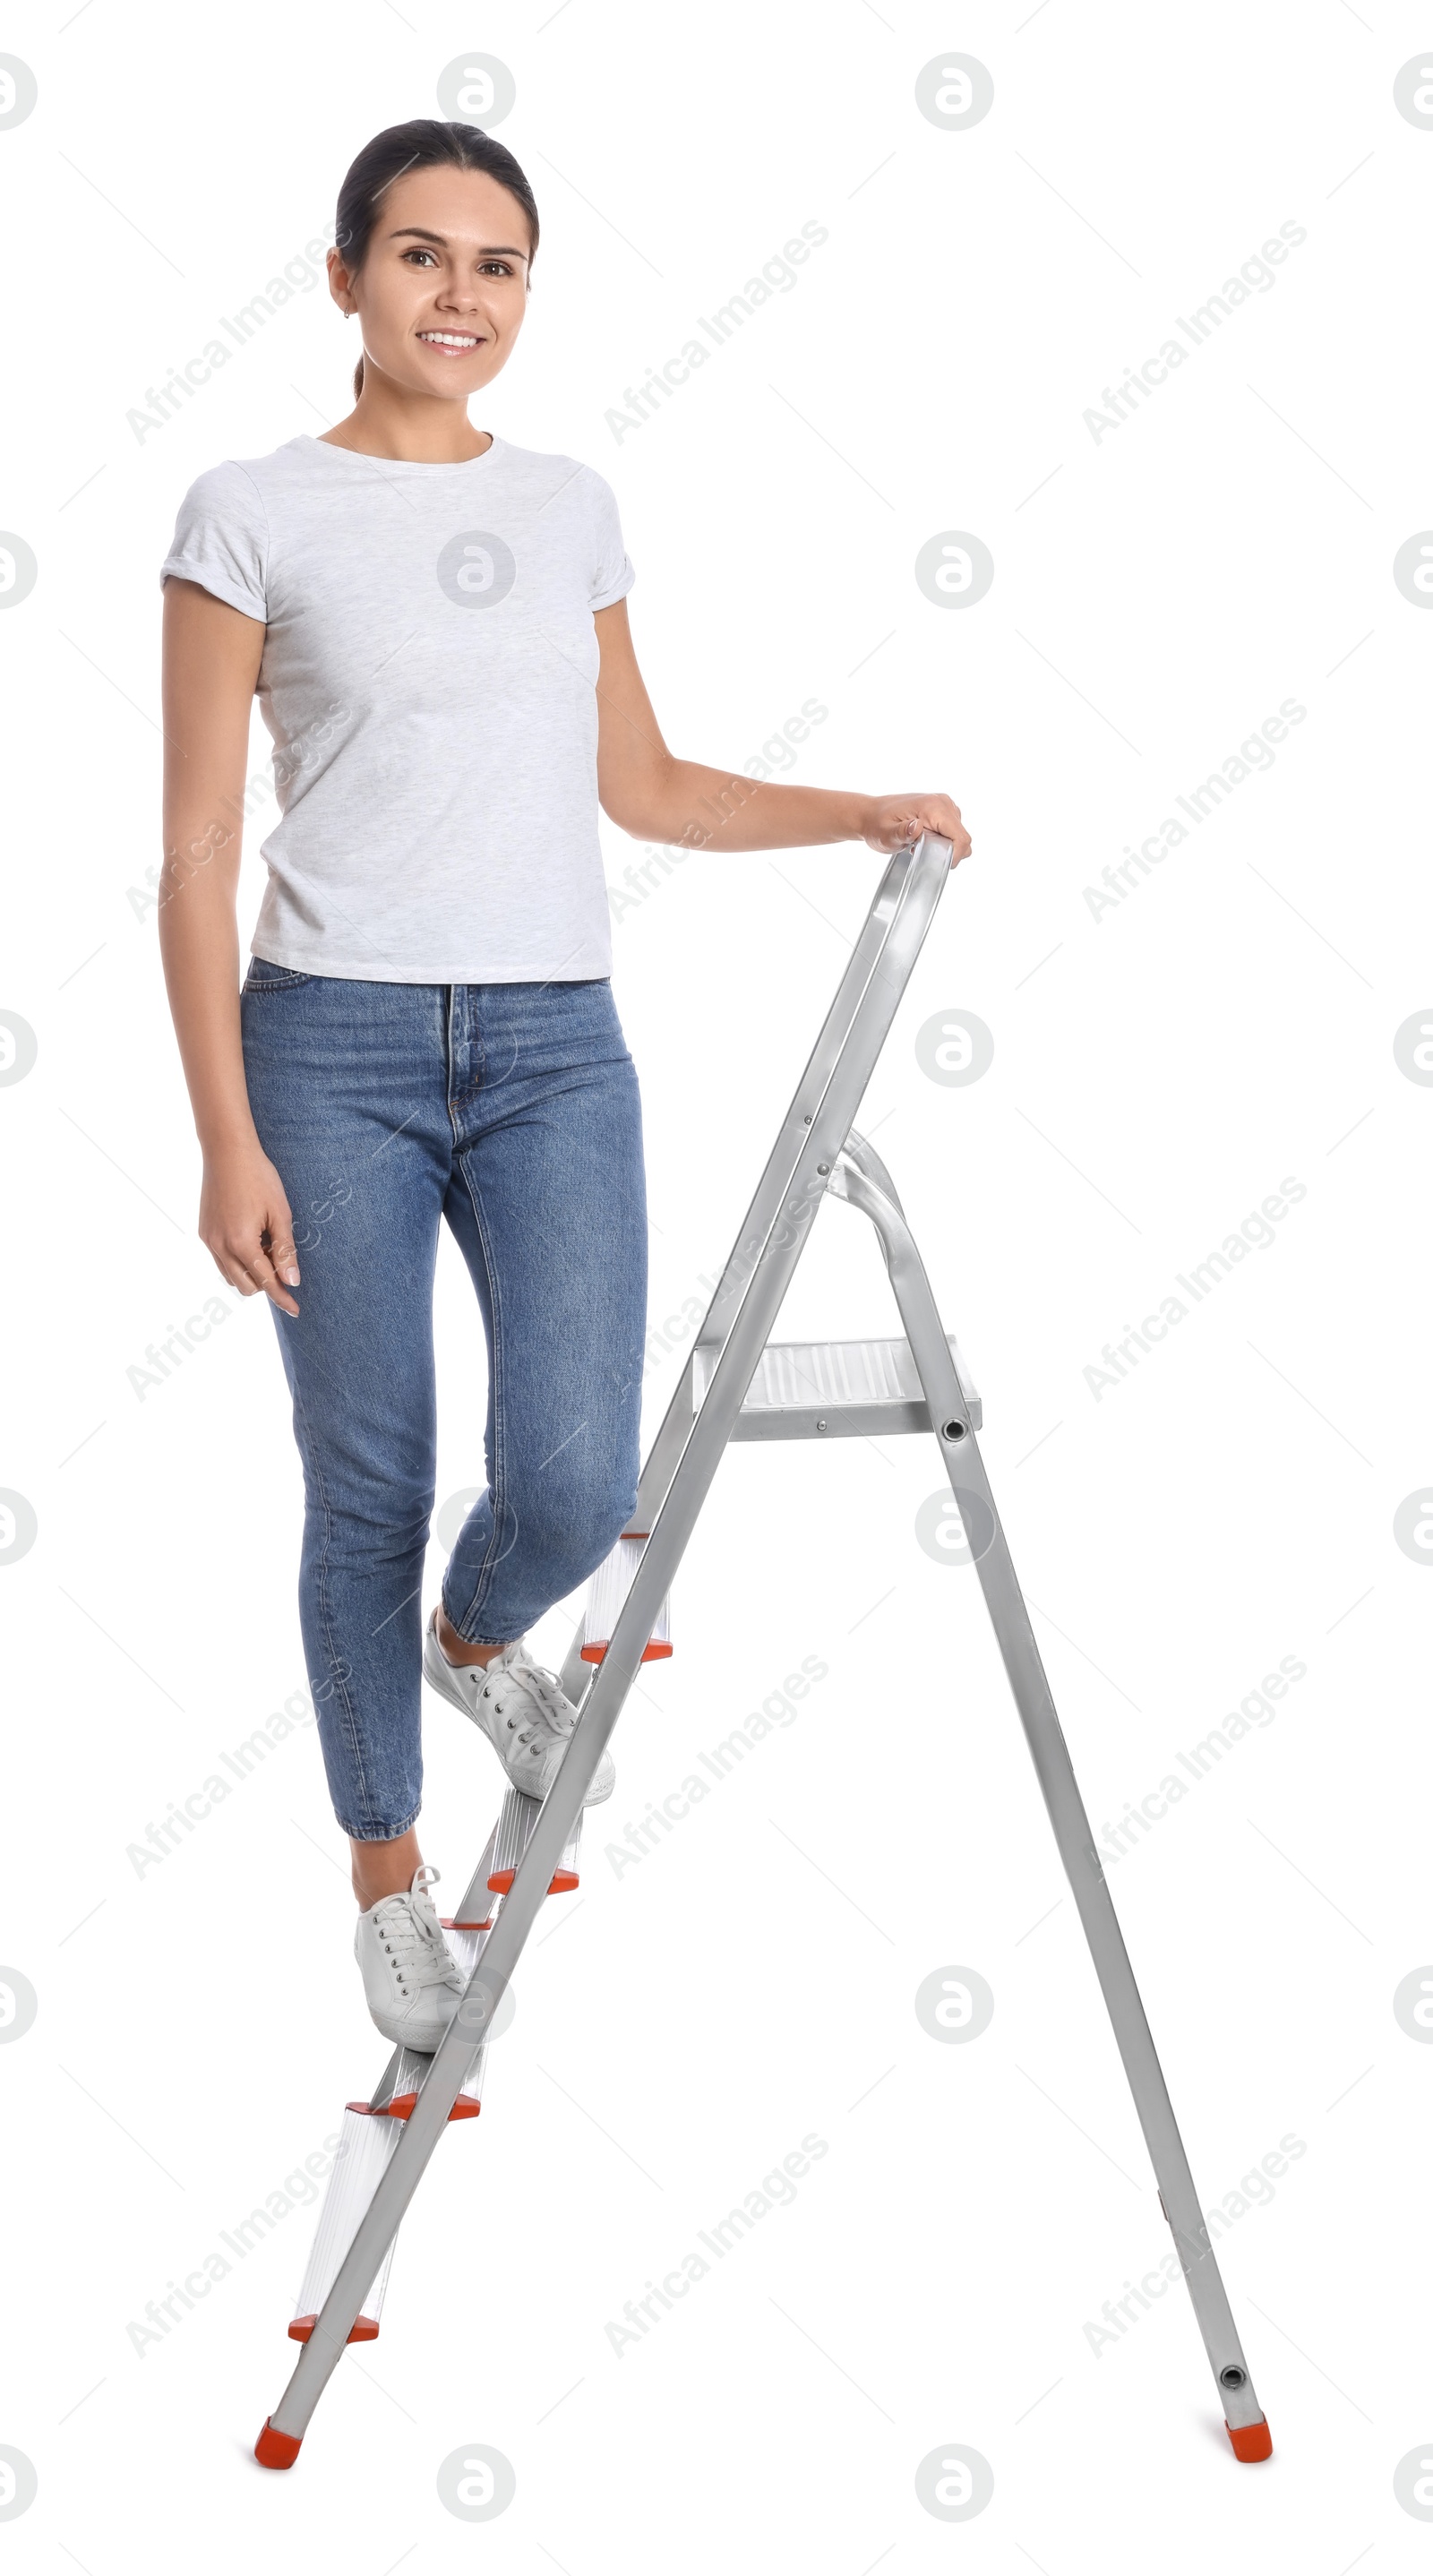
(264,976)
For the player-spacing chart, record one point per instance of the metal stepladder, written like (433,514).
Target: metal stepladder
(737,1384)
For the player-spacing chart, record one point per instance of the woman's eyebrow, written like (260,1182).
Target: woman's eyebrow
(420,232)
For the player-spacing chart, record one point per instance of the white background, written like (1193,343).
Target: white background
(1157,1072)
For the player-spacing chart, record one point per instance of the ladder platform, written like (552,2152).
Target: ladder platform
(832,1390)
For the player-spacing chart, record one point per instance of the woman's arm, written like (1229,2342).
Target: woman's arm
(211,665)
(680,802)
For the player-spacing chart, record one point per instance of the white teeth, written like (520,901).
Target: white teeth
(451,339)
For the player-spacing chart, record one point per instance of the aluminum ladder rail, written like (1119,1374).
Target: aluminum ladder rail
(816,1152)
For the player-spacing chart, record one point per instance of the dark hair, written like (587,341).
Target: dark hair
(424,143)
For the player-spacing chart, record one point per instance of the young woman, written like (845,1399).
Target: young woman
(434,623)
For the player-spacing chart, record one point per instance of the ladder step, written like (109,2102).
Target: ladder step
(833,1390)
(364,2147)
(606,1593)
(413,2065)
(514,1833)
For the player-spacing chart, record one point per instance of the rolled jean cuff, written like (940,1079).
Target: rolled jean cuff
(380,1833)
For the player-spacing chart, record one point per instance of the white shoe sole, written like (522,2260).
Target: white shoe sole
(412,2031)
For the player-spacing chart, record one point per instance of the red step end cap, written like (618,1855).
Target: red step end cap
(563,1882)
(276,2450)
(402,2105)
(363,2330)
(651,1652)
(1251,2441)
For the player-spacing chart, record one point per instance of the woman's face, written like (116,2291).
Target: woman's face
(443,289)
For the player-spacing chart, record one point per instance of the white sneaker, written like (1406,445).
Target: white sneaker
(410,1976)
(522,1709)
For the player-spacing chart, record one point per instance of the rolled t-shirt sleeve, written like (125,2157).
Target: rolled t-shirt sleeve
(612,568)
(221,540)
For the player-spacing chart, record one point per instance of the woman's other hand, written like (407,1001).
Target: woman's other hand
(245,1221)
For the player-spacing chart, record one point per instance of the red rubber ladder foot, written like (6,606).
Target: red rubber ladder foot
(276,2450)
(1251,2441)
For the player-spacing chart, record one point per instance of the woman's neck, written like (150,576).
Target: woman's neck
(408,433)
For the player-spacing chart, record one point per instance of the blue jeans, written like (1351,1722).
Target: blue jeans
(513,1111)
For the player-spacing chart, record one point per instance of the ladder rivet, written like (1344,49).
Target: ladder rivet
(823,1167)
(953,1431)
(1233,2377)
(820,1426)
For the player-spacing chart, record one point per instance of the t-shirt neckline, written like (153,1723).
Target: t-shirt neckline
(403,464)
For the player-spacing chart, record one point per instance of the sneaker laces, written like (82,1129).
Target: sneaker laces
(552,1699)
(411,1932)
(554,1709)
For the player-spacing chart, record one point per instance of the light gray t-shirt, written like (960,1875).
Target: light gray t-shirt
(428,678)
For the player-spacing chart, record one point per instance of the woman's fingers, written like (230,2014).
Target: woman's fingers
(275,1263)
(898,819)
(248,1268)
(230,1271)
(277,1241)
(938,814)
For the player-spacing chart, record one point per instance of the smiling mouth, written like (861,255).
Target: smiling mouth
(456,343)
